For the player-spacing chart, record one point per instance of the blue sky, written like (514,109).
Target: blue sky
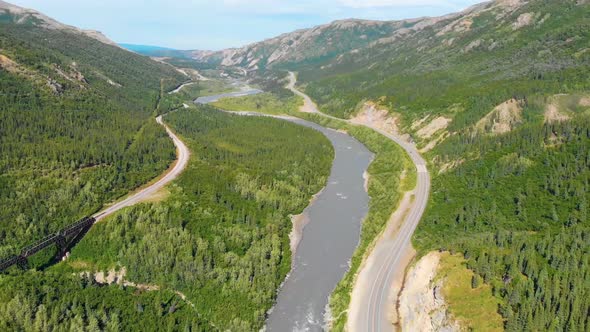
(218,24)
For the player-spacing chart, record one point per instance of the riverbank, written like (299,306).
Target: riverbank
(385,183)
(299,222)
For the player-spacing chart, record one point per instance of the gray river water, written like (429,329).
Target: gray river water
(212,99)
(328,240)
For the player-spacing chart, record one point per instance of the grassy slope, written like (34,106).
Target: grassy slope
(475,308)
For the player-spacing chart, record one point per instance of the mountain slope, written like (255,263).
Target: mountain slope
(486,44)
(76,123)
(13,14)
(156,51)
(508,48)
(326,43)
(306,46)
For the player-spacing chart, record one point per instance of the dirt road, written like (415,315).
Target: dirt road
(182,153)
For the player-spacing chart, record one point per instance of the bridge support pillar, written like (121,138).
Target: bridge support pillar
(23,263)
(61,244)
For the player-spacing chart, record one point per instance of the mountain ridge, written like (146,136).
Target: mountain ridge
(318,43)
(21,15)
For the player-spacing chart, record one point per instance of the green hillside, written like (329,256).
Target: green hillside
(77,126)
(476,60)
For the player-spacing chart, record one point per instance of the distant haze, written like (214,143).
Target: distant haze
(213,25)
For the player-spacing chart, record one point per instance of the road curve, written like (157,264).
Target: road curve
(308,105)
(182,153)
(374,307)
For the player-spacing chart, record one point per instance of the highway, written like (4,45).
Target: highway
(182,153)
(373,309)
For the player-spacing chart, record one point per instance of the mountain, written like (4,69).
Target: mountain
(156,51)
(509,47)
(304,46)
(13,14)
(354,60)
(323,43)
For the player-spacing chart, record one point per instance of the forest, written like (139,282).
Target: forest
(39,301)
(221,236)
(77,129)
(517,209)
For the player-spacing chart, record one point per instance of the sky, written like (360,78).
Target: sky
(219,24)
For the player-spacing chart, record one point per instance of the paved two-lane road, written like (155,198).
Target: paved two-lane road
(376,305)
(374,308)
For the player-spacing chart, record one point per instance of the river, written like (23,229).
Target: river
(328,240)
(212,99)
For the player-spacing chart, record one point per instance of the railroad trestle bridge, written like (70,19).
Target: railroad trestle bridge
(63,239)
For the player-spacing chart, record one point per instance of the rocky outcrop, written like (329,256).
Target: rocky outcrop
(434,126)
(523,21)
(421,303)
(55,87)
(502,119)
(72,74)
(10,66)
(553,114)
(374,115)
(114,276)
(117,277)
